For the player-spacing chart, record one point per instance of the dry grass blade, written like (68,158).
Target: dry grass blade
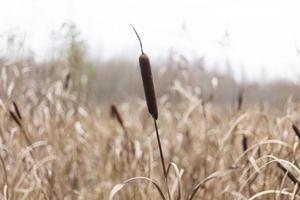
(270,159)
(263,142)
(120,186)
(4,170)
(178,176)
(296,189)
(267,192)
(251,177)
(215,175)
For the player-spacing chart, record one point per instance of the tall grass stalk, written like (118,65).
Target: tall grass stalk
(149,91)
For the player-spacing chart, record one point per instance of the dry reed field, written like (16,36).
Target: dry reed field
(58,144)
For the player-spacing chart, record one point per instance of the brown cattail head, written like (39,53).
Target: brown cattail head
(240,99)
(245,143)
(148,85)
(15,118)
(115,113)
(67,81)
(147,80)
(17,110)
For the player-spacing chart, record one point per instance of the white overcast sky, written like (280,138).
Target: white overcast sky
(263,33)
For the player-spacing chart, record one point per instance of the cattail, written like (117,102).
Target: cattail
(18,119)
(67,81)
(15,118)
(151,100)
(245,143)
(240,100)
(146,73)
(259,152)
(17,110)
(296,130)
(114,113)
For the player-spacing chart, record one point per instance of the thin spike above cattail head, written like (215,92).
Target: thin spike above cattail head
(140,41)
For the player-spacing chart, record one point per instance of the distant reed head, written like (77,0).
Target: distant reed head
(114,113)
(240,99)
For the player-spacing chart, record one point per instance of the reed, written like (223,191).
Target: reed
(17,118)
(148,84)
(149,91)
(67,81)
(17,110)
(114,113)
(245,143)
(240,100)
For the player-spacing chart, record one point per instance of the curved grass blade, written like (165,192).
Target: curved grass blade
(120,186)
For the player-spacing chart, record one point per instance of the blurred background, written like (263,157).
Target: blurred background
(218,47)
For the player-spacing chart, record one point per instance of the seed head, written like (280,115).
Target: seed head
(115,113)
(148,85)
(146,73)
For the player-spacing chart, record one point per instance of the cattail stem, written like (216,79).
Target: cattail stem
(162,157)
(160,149)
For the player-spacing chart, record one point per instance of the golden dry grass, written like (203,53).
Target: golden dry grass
(76,150)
